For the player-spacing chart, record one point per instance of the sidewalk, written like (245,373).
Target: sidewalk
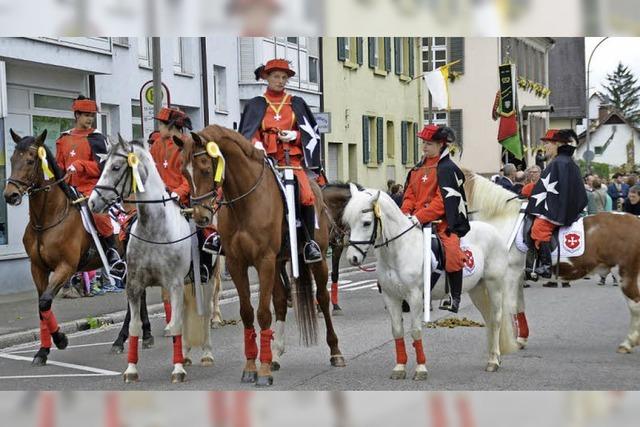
(19,312)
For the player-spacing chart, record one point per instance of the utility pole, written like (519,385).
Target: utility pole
(588,156)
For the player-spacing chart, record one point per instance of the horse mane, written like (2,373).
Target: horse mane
(351,213)
(221,134)
(488,198)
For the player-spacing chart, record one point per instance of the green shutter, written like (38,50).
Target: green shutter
(455,46)
(342,49)
(387,53)
(403,142)
(416,149)
(359,52)
(397,48)
(371,41)
(380,139)
(412,59)
(365,140)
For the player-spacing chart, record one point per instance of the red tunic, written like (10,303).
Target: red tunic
(169,164)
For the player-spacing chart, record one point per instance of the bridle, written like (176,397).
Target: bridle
(124,182)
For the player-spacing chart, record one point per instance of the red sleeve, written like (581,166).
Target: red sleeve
(88,168)
(527,190)
(434,211)
(59,156)
(408,199)
(183,190)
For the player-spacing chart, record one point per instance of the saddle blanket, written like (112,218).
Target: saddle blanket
(571,240)
(469,265)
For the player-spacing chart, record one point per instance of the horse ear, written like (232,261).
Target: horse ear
(178,141)
(353,188)
(375,199)
(41,138)
(121,140)
(16,138)
(196,138)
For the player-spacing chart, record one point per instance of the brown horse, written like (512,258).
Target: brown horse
(611,239)
(251,221)
(54,239)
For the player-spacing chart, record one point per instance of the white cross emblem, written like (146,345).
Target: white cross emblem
(277,117)
(571,240)
(549,188)
(424,178)
(72,153)
(451,192)
(165,164)
(313,133)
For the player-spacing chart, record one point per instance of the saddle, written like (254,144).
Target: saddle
(527,225)
(569,240)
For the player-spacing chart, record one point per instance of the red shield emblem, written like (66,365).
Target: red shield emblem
(469,262)
(572,241)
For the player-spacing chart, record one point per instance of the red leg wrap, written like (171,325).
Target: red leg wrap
(167,311)
(218,412)
(50,320)
(45,335)
(47,416)
(177,349)
(523,327)
(250,346)
(334,293)
(438,415)
(112,414)
(420,357)
(132,356)
(265,346)
(401,352)
(464,409)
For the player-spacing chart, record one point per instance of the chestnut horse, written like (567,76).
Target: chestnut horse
(251,222)
(55,241)
(611,239)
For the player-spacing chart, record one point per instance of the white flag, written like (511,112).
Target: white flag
(437,82)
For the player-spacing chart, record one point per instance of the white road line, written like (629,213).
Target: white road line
(359,288)
(62,365)
(20,377)
(68,348)
(354,284)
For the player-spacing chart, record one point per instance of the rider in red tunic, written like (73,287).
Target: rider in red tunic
(434,191)
(81,152)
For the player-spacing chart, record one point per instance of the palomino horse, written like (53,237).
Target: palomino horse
(377,222)
(251,223)
(56,243)
(159,248)
(611,240)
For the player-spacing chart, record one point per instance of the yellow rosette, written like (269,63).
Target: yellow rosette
(213,150)
(136,182)
(42,154)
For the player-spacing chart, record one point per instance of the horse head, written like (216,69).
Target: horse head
(125,172)
(27,163)
(362,215)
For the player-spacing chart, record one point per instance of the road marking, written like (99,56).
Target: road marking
(69,347)
(20,377)
(354,284)
(367,286)
(62,365)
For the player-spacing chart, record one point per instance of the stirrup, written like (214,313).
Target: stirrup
(118,270)
(445,304)
(204,278)
(211,245)
(312,243)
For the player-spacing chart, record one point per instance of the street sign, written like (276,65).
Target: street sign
(589,155)
(324,122)
(146,105)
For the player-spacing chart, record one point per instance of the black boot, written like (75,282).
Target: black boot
(543,267)
(455,287)
(529,273)
(311,250)
(117,266)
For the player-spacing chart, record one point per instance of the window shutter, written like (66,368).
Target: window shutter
(387,53)
(455,122)
(403,141)
(397,48)
(371,41)
(342,51)
(365,140)
(412,58)
(455,46)
(380,139)
(359,53)
(416,148)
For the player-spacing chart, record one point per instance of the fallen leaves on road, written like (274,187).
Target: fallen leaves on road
(454,322)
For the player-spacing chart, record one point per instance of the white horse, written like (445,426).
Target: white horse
(399,267)
(159,248)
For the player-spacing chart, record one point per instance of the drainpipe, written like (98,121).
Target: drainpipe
(157,79)
(321,79)
(205,80)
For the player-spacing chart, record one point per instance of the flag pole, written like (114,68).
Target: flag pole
(446,65)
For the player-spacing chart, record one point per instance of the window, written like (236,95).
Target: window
(372,133)
(220,88)
(391,140)
(434,53)
(350,50)
(53,113)
(404,56)
(374,57)
(54,126)
(437,118)
(144,52)
(599,150)
(313,70)
(52,102)
(178,55)
(293,40)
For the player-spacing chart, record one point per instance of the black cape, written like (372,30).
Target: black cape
(559,196)
(253,114)
(450,181)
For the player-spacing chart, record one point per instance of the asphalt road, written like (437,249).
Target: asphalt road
(574,336)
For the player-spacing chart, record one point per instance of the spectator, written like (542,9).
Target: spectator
(390,183)
(532,176)
(397,194)
(618,190)
(540,158)
(632,203)
(632,179)
(597,198)
(508,178)
(519,182)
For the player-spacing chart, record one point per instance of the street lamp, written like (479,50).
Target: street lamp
(588,156)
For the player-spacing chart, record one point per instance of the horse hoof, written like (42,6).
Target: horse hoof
(166,332)
(338,361)
(249,376)
(398,375)
(180,377)
(39,361)
(187,362)
(420,376)
(148,342)
(60,340)
(624,350)
(337,311)
(266,381)
(131,378)
(492,367)
(275,366)
(522,343)
(117,349)
(206,361)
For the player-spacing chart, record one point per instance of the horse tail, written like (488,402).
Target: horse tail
(195,327)
(305,306)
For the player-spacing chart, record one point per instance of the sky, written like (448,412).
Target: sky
(609,53)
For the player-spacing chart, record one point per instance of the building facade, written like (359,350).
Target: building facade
(375,107)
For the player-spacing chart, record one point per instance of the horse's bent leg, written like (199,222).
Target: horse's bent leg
(322,295)
(216,319)
(266,272)
(280,306)
(134,294)
(632,295)
(241,281)
(147,338)
(40,277)
(177,299)
(118,345)
(416,303)
(394,307)
(336,253)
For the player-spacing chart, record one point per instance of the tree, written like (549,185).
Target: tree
(623,90)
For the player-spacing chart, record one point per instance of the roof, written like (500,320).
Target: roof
(613,117)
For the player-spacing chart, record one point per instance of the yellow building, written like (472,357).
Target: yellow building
(375,103)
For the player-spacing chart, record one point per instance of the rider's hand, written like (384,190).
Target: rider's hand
(175,196)
(259,146)
(287,135)
(71,170)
